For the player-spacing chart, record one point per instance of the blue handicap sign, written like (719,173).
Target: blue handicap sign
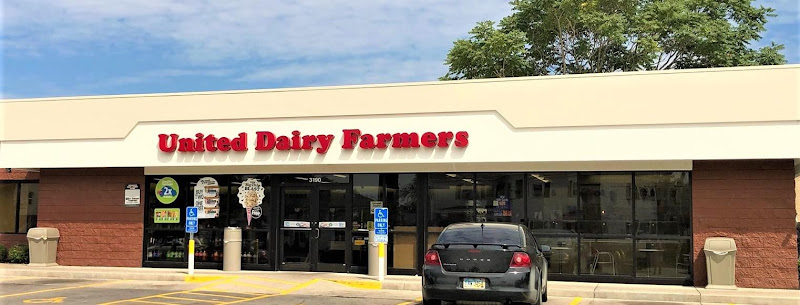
(191,220)
(381,225)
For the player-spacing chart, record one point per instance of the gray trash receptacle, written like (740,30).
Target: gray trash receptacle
(232,253)
(42,245)
(720,262)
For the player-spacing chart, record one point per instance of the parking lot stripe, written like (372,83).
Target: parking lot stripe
(575,301)
(411,302)
(184,299)
(151,302)
(214,295)
(58,289)
(284,292)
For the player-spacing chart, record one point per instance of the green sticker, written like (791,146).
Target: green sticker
(167,216)
(167,190)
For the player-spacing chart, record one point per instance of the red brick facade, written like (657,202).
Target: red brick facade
(752,202)
(18,174)
(87,207)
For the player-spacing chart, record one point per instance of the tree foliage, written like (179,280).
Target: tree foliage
(544,37)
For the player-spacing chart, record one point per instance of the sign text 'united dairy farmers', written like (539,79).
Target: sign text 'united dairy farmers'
(351,138)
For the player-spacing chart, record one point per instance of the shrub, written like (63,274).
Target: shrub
(18,254)
(3,253)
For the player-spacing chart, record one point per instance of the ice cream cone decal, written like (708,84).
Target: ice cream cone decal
(251,193)
(249,215)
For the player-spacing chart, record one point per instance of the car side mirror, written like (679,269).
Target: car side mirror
(546,251)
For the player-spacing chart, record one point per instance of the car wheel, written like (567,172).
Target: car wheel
(431,302)
(544,295)
(539,299)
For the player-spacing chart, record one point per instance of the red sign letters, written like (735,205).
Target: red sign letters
(351,138)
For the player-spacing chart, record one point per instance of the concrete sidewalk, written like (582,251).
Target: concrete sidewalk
(631,292)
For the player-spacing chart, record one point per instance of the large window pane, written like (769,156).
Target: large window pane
(366,188)
(28,206)
(168,246)
(662,258)
(8,207)
(451,201)
(401,198)
(238,213)
(564,259)
(662,204)
(606,203)
(499,197)
(553,202)
(604,256)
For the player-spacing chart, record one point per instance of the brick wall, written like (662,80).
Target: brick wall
(752,202)
(87,207)
(10,239)
(18,174)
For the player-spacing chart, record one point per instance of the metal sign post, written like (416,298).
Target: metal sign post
(191,228)
(381,237)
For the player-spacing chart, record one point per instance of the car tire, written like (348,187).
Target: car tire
(544,295)
(431,302)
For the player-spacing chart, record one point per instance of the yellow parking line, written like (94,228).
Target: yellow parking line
(184,299)
(151,302)
(58,289)
(284,292)
(141,298)
(411,302)
(575,301)
(223,290)
(214,295)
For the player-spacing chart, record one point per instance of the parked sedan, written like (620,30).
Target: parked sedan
(485,262)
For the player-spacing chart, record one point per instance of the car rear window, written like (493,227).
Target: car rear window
(476,235)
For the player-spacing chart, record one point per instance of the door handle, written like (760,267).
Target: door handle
(317,237)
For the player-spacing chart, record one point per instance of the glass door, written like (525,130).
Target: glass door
(313,228)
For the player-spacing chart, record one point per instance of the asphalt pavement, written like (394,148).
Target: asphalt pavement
(225,290)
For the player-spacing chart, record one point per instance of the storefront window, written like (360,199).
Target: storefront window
(606,256)
(499,197)
(367,188)
(553,203)
(251,208)
(18,206)
(401,199)
(451,201)
(564,258)
(662,204)
(663,258)
(606,203)
(8,207)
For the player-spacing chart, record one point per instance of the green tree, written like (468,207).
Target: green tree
(543,37)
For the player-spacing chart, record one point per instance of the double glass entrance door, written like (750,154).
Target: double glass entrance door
(313,228)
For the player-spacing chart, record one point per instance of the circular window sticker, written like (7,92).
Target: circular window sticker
(167,190)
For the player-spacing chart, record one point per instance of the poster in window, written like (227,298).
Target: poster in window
(251,194)
(167,190)
(206,198)
(167,216)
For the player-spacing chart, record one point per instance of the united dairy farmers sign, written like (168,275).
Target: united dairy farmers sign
(351,139)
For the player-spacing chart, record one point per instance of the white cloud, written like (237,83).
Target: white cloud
(209,32)
(788,11)
(351,71)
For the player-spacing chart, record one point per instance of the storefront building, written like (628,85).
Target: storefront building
(624,175)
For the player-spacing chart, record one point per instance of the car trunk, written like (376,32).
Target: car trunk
(476,258)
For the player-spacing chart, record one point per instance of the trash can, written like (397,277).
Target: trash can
(720,262)
(232,253)
(42,245)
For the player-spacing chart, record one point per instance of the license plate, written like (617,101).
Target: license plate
(474,283)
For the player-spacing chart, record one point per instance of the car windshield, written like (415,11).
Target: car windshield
(478,235)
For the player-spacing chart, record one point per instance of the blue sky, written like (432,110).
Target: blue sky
(93,47)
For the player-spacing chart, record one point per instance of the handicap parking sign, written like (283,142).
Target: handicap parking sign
(191,220)
(381,225)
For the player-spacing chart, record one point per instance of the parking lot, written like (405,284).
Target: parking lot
(227,290)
